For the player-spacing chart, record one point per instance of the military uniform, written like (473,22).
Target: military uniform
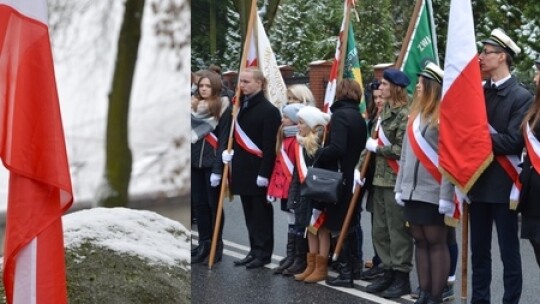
(391,239)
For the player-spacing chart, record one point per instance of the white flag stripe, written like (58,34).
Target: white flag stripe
(424,145)
(30,8)
(24,290)
(460,49)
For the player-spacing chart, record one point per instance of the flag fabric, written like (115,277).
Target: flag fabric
(351,67)
(260,55)
(32,148)
(464,139)
(422,46)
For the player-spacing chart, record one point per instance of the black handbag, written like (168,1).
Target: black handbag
(323,185)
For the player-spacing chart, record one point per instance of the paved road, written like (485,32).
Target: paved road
(228,284)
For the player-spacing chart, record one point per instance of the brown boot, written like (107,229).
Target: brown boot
(309,269)
(321,270)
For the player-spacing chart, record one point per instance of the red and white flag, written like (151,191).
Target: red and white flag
(32,148)
(260,54)
(464,140)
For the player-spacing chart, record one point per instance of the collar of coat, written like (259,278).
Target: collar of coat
(345,103)
(504,88)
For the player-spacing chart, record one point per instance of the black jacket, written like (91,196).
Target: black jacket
(506,106)
(203,155)
(260,120)
(347,139)
(529,205)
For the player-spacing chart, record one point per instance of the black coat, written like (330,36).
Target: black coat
(260,120)
(529,204)
(506,106)
(347,139)
(203,155)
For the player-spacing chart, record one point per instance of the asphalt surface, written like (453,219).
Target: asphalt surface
(225,283)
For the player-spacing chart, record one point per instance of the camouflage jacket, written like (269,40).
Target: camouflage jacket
(394,124)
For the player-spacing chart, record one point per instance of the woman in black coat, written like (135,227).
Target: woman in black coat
(529,204)
(347,139)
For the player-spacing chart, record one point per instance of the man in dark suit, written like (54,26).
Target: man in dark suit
(506,104)
(257,125)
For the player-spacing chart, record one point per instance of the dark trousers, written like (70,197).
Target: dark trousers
(204,201)
(259,215)
(482,217)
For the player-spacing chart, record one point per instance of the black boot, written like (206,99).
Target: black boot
(349,266)
(381,283)
(219,253)
(400,286)
(299,264)
(289,259)
(423,297)
(194,251)
(204,250)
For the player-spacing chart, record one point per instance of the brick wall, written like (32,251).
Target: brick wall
(318,79)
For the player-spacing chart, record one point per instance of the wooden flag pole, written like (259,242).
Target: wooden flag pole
(354,199)
(408,35)
(343,41)
(236,107)
(464,250)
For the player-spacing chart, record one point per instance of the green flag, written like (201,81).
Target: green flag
(352,65)
(422,47)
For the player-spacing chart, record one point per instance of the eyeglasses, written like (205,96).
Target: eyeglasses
(486,52)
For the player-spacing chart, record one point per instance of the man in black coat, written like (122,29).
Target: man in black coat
(257,125)
(506,104)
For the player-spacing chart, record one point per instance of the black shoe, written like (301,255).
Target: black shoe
(244,261)
(195,250)
(257,263)
(204,250)
(416,293)
(218,255)
(381,283)
(341,281)
(400,286)
(423,296)
(372,273)
(433,300)
(448,292)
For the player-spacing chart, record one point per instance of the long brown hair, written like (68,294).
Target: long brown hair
(533,117)
(214,101)
(427,104)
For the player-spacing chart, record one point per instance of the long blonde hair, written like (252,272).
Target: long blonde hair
(314,140)
(427,104)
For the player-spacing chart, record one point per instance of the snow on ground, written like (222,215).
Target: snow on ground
(84,36)
(132,232)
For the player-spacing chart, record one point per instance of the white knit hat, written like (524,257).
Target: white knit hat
(291,111)
(312,116)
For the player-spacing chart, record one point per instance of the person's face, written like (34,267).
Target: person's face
(248,84)
(286,121)
(378,99)
(490,58)
(205,88)
(303,128)
(420,86)
(292,99)
(385,89)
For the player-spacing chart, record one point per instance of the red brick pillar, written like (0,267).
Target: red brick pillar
(319,71)
(286,71)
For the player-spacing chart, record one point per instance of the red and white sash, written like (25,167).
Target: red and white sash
(286,163)
(212,140)
(245,142)
(300,162)
(533,148)
(383,140)
(510,165)
(423,150)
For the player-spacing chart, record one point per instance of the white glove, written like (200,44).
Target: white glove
(270,198)
(358,180)
(398,199)
(446,207)
(262,181)
(227,156)
(215,179)
(372,144)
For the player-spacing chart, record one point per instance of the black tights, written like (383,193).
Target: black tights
(432,257)
(536,247)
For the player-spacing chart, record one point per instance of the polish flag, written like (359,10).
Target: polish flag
(464,140)
(32,148)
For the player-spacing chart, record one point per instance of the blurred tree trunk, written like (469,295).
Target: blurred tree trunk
(118,154)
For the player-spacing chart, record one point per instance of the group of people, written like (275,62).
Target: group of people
(407,196)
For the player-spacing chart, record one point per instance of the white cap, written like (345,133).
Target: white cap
(499,38)
(433,71)
(312,116)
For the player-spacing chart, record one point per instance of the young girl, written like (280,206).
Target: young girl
(210,125)
(311,126)
(279,188)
